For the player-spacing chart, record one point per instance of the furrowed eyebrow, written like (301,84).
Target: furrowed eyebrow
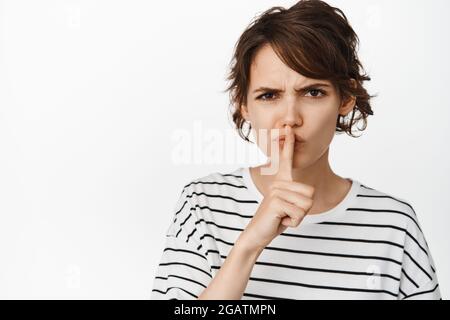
(310,86)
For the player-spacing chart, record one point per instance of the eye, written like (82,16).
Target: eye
(266,96)
(316,93)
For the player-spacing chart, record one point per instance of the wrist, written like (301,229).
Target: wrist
(247,246)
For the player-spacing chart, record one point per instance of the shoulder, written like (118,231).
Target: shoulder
(418,275)
(207,192)
(394,208)
(215,183)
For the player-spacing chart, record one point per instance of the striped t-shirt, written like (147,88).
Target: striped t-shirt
(369,246)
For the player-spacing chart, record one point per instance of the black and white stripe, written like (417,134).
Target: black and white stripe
(370,246)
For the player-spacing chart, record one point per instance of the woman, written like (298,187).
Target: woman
(292,228)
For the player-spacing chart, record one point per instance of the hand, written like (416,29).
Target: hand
(284,206)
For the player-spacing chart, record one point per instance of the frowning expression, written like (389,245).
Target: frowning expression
(279,96)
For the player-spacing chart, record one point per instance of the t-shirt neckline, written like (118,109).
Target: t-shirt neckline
(337,210)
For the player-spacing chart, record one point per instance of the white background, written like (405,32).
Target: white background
(92,93)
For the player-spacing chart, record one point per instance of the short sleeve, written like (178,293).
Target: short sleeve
(418,279)
(184,271)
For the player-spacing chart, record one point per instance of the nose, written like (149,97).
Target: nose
(291,115)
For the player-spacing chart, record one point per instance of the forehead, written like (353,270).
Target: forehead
(268,69)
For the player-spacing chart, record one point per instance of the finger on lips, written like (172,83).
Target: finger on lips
(285,165)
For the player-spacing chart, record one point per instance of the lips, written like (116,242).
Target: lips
(298,139)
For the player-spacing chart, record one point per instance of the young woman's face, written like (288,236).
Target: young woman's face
(311,111)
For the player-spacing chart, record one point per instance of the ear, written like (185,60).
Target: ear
(348,104)
(244,112)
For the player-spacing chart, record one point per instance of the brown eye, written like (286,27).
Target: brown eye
(316,93)
(266,96)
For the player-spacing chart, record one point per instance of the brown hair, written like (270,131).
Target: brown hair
(312,38)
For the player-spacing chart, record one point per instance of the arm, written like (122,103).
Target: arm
(232,278)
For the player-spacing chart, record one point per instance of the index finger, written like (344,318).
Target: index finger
(287,155)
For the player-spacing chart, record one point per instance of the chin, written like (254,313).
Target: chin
(298,162)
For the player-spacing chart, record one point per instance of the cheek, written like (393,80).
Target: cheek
(263,119)
(325,120)
(263,139)
(262,124)
(322,129)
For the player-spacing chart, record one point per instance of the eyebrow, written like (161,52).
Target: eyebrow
(309,86)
